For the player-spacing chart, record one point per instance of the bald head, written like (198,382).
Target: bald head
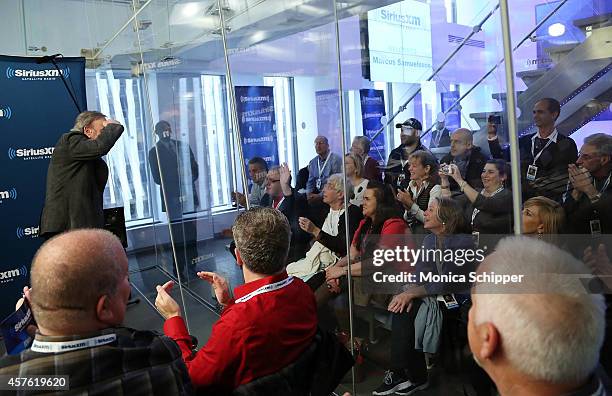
(72,273)
(461,141)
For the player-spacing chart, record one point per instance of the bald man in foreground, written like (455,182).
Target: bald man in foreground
(79,293)
(541,336)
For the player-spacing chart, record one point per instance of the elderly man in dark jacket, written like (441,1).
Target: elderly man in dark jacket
(77,175)
(468,158)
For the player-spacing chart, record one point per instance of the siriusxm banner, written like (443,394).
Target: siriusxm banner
(372,109)
(328,118)
(453,117)
(35,109)
(257,123)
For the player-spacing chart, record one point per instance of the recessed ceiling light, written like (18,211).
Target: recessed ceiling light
(556,29)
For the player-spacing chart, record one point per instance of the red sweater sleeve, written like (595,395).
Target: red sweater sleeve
(216,363)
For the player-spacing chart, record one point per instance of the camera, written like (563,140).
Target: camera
(447,169)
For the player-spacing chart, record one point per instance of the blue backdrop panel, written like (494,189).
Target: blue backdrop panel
(257,123)
(372,109)
(35,109)
(453,117)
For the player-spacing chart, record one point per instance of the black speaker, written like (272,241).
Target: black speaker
(114,221)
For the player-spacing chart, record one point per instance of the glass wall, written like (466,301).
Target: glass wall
(204,88)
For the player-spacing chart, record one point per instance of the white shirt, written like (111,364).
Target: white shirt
(418,213)
(332,221)
(359,191)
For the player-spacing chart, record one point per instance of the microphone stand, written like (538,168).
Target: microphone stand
(76,104)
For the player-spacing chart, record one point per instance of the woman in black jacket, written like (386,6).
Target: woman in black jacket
(488,211)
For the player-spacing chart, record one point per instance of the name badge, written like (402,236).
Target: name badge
(450,301)
(318,184)
(400,179)
(595,227)
(476,238)
(532,171)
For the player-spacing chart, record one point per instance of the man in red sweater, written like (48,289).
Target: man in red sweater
(270,322)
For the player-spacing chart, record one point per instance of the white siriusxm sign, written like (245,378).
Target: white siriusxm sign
(31,74)
(11,275)
(30,153)
(27,232)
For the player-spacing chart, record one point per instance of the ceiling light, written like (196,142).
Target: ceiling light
(556,29)
(190,9)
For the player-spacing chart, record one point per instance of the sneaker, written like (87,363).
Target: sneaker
(392,383)
(412,388)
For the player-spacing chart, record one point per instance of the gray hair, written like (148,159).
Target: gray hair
(336,182)
(364,142)
(551,328)
(602,141)
(262,237)
(86,118)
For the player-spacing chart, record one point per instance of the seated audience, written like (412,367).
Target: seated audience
(330,239)
(396,171)
(320,168)
(79,294)
(588,206)
(361,147)
(258,169)
(408,372)
(488,211)
(541,336)
(380,218)
(279,195)
(354,169)
(468,158)
(270,322)
(544,218)
(423,188)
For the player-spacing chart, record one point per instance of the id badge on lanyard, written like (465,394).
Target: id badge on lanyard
(532,170)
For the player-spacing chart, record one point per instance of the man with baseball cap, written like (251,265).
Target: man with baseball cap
(396,171)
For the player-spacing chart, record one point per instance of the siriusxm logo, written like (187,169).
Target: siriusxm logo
(6,112)
(30,153)
(9,194)
(28,232)
(10,275)
(47,74)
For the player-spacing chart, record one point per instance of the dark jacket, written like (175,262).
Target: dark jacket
(293,207)
(580,213)
(495,216)
(317,372)
(172,156)
(444,138)
(476,164)
(136,363)
(371,170)
(76,179)
(551,178)
(394,166)
(337,244)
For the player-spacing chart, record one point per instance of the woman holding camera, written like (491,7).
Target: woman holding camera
(421,191)
(488,211)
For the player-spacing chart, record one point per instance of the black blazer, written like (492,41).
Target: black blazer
(76,179)
(337,244)
(171,160)
(495,216)
(551,178)
(475,166)
(293,207)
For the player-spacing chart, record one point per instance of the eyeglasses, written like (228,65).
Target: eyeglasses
(270,181)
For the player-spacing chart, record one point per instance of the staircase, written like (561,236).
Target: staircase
(579,78)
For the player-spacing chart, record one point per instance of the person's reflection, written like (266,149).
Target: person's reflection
(173,167)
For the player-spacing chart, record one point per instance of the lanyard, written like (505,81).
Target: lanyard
(476,210)
(535,157)
(321,169)
(278,204)
(266,289)
(65,346)
(606,184)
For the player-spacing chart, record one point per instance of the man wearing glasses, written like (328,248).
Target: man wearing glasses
(589,197)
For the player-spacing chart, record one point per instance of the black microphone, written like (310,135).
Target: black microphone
(47,58)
